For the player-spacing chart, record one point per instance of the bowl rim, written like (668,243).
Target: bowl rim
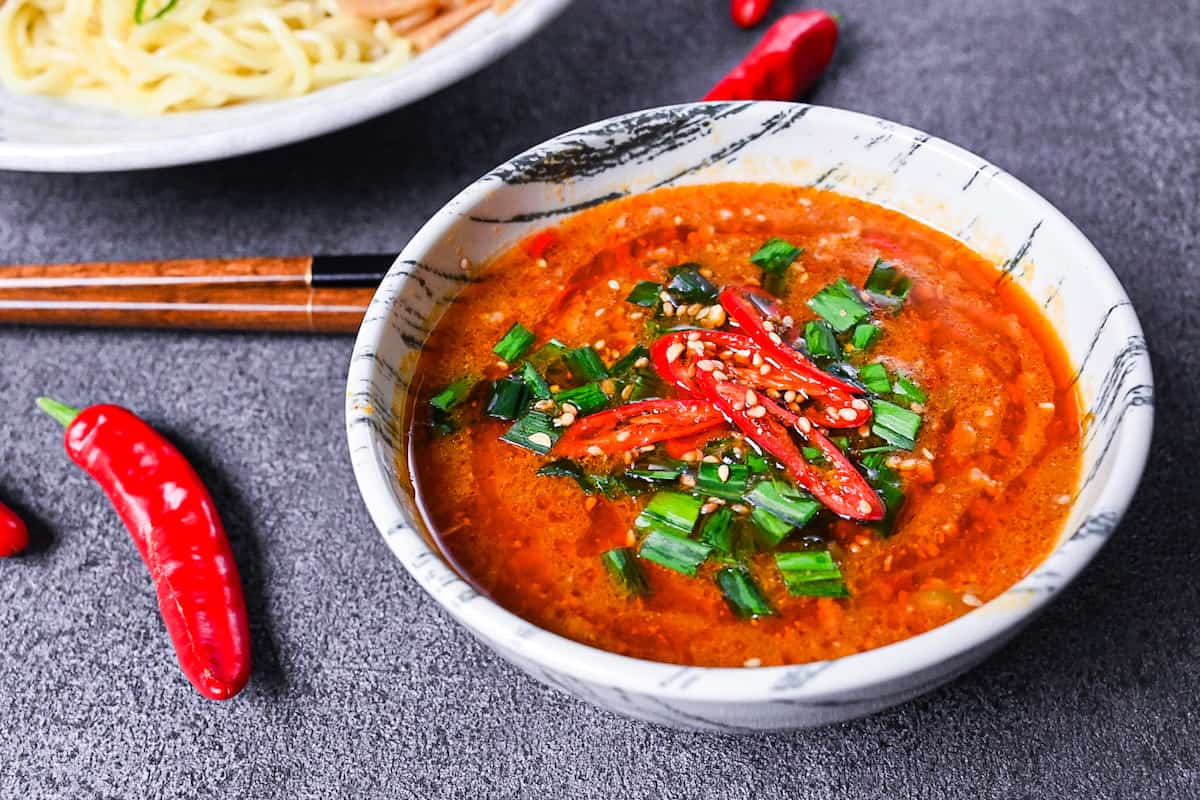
(574,662)
(293,120)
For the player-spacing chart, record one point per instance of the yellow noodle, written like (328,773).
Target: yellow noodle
(201,54)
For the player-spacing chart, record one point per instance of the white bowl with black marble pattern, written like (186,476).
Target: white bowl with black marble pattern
(933,181)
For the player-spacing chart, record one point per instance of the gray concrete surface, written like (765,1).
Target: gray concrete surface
(362,687)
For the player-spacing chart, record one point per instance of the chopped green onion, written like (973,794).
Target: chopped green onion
(628,362)
(811,572)
(515,343)
(904,387)
(671,509)
(784,501)
(585,364)
(654,473)
(535,431)
(587,398)
(886,481)
(771,529)
(547,354)
(593,483)
(139,11)
(732,486)
(538,388)
(716,531)
(742,593)
(508,398)
(625,571)
(864,335)
(841,442)
(756,463)
(645,294)
(674,551)
(875,378)
(894,424)
(453,394)
(821,340)
(887,286)
(812,455)
(839,305)
(687,285)
(775,256)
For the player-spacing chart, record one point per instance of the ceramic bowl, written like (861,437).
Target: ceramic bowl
(898,167)
(46,134)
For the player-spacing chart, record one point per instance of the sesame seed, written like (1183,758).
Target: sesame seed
(636,315)
(724,213)
(1047,406)
(804,425)
(614,284)
(600,311)
(627,391)
(751,397)
(593,450)
(543,263)
(623,436)
(925,451)
(757,411)
(768,325)
(765,369)
(567,419)
(721,376)
(760,217)
(757,360)
(687,480)
(775,338)
(706,272)
(752,662)
(859,403)
(847,414)
(971,600)
(642,363)
(569,408)
(789,396)
(708,507)
(723,472)
(598,344)
(674,352)
(864,507)
(544,405)
(711,460)
(541,439)
(788,321)
(1063,499)
(668,310)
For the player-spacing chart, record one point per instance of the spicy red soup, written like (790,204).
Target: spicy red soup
(743,424)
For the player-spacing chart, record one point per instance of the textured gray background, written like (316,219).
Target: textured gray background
(362,687)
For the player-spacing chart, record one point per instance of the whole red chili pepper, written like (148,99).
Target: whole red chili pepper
(748,13)
(14,536)
(785,63)
(174,523)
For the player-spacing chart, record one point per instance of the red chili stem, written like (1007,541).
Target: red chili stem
(174,523)
(785,63)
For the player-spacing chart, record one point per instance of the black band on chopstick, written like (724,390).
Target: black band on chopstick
(350,271)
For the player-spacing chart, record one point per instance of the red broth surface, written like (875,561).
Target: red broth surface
(988,482)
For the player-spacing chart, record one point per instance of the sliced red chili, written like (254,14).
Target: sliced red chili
(748,13)
(678,448)
(537,245)
(671,359)
(637,425)
(754,311)
(844,491)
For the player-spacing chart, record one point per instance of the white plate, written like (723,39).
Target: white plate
(49,135)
